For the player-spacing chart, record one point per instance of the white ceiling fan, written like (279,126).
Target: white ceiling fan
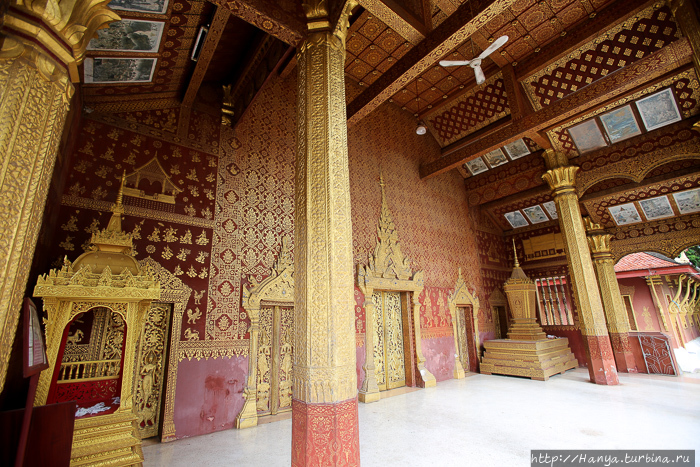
(476,62)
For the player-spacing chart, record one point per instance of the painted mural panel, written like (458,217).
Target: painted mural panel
(129,35)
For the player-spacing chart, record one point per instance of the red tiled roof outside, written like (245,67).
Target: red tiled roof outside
(637,261)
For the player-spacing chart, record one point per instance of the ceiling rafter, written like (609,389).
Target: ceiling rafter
(595,95)
(393,15)
(611,16)
(452,32)
(273,20)
(218,24)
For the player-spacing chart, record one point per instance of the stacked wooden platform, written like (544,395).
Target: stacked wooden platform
(535,359)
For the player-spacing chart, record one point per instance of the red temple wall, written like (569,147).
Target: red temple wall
(643,303)
(238,189)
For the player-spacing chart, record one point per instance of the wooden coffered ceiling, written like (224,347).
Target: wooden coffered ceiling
(566,61)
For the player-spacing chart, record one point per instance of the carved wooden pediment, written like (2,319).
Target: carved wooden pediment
(277,287)
(387,267)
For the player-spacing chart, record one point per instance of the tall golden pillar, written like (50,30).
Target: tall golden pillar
(41,45)
(687,15)
(561,178)
(615,312)
(324,406)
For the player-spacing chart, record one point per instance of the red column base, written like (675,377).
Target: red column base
(325,434)
(601,363)
(623,353)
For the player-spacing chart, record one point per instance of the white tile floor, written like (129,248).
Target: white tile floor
(481,420)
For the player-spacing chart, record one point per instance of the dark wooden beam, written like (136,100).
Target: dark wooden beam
(468,18)
(393,15)
(216,29)
(285,26)
(605,90)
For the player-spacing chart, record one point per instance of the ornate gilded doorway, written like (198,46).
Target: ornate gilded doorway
(151,368)
(270,306)
(389,354)
(275,341)
(464,308)
(396,306)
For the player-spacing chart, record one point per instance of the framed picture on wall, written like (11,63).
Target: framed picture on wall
(551,209)
(688,201)
(656,208)
(587,136)
(535,214)
(517,149)
(516,219)
(659,109)
(119,70)
(625,214)
(129,35)
(620,124)
(143,6)
(496,158)
(477,166)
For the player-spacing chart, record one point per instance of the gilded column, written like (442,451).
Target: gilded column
(42,45)
(687,15)
(324,406)
(561,178)
(615,311)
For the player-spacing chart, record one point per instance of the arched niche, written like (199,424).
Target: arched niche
(276,289)
(462,298)
(389,270)
(90,359)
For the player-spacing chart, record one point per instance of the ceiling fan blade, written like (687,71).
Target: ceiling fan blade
(480,78)
(454,62)
(493,47)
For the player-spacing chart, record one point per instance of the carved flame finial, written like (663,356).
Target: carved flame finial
(515,254)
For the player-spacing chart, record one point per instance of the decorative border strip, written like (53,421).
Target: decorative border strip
(155,133)
(435,333)
(87,203)
(212,349)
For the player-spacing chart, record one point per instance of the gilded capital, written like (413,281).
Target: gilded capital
(561,179)
(600,244)
(553,159)
(61,27)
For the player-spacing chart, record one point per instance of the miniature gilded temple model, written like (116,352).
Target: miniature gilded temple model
(527,351)
(104,285)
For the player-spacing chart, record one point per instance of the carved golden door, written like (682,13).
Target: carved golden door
(274,383)
(388,344)
(465,338)
(149,372)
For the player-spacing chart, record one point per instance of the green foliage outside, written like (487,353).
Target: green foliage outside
(693,254)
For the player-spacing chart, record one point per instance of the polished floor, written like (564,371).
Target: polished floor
(482,420)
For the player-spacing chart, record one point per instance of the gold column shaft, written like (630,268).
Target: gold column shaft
(687,16)
(324,350)
(42,43)
(33,108)
(615,311)
(562,182)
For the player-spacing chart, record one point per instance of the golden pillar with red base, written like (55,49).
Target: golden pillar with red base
(41,45)
(324,407)
(561,178)
(615,311)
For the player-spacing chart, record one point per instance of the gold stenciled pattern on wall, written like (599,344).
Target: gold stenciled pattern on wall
(255,204)
(430,215)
